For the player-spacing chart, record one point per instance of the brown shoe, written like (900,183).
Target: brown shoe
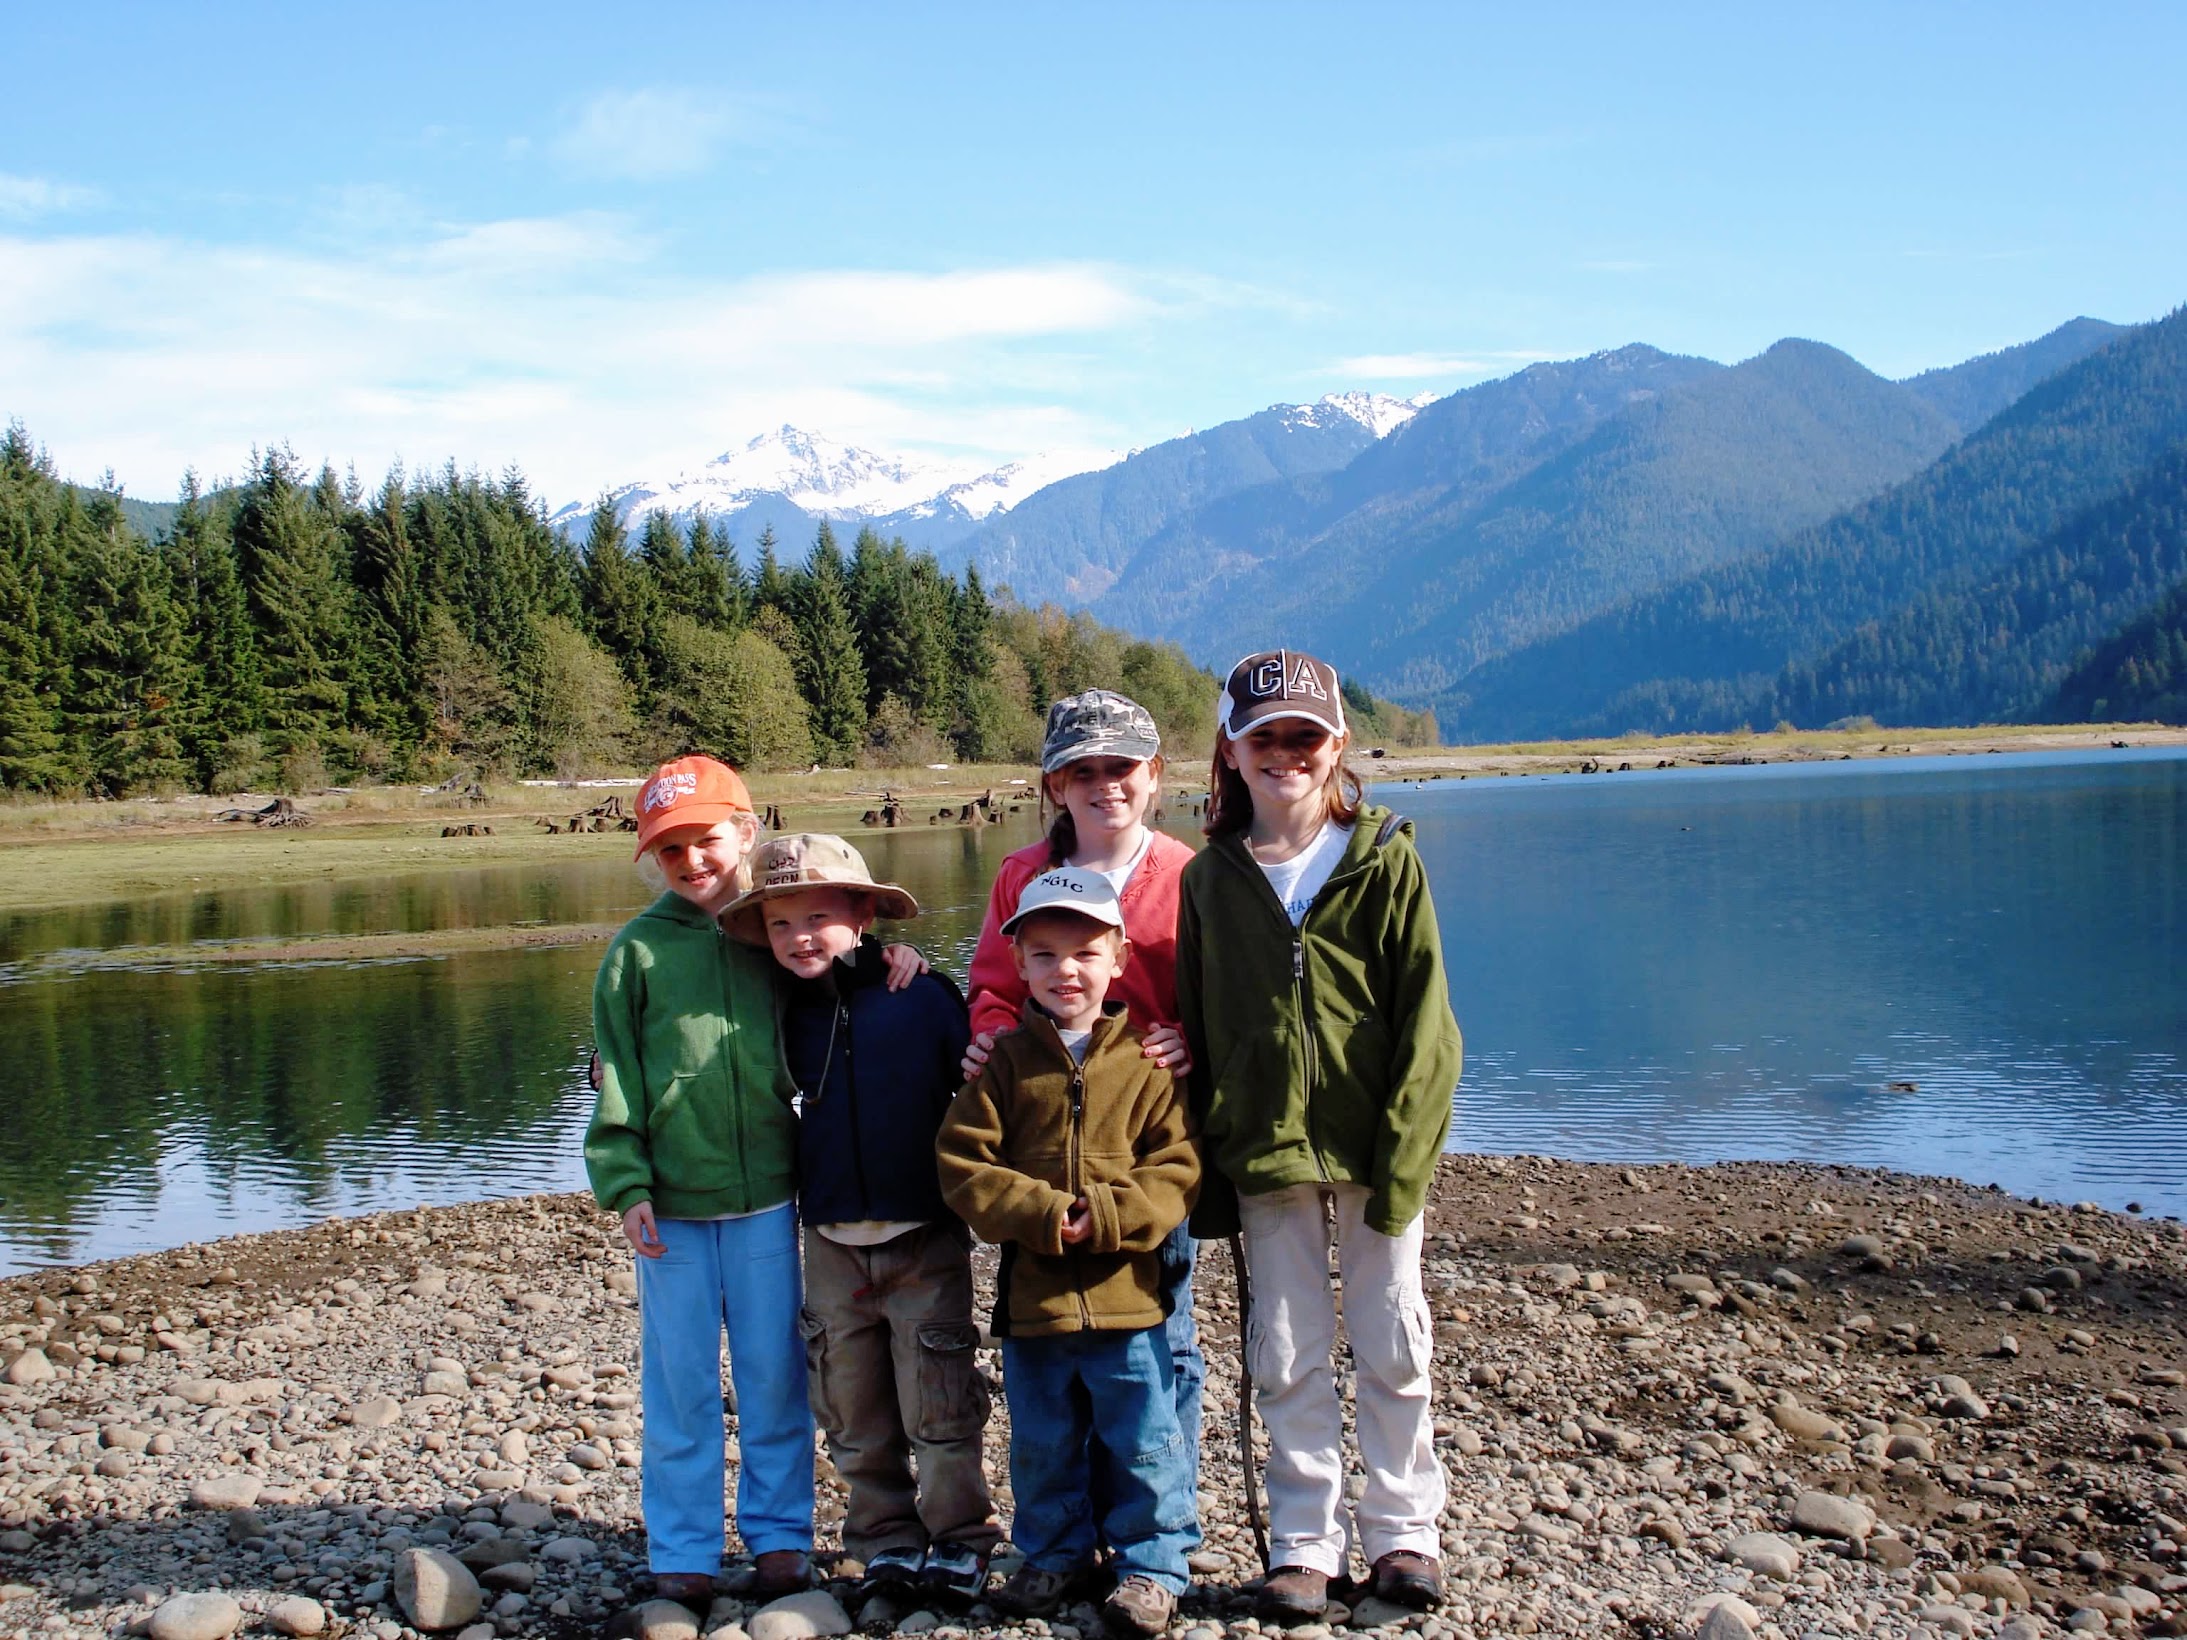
(1292,1594)
(781,1571)
(693,1589)
(1410,1580)
(1139,1607)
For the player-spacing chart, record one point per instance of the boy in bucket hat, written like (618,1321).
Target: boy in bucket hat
(1073,1150)
(887,1322)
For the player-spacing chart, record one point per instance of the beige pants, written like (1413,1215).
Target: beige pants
(1290,1339)
(889,1350)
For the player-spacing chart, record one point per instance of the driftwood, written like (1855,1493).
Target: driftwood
(472,829)
(280,812)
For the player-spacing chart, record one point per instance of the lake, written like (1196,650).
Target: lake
(1963,965)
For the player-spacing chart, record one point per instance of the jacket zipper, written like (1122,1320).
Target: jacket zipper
(1078,1174)
(850,1085)
(736,1105)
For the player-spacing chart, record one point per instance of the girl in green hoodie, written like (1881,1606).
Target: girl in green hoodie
(1310,980)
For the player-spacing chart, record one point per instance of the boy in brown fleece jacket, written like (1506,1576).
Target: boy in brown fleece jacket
(1075,1153)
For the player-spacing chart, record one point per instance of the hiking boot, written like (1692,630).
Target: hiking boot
(893,1569)
(956,1571)
(1292,1594)
(1139,1607)
(1406,1579)
(1032,1592)
(692,1589)
(781,1571)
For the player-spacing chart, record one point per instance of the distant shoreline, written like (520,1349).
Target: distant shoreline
(55,855)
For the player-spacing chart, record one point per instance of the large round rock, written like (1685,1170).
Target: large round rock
(435,1589)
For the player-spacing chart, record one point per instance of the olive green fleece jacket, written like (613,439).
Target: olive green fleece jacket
(1324,1053)
(1035,1131)
(694,1113)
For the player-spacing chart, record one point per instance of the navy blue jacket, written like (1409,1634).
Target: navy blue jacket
(865,1134)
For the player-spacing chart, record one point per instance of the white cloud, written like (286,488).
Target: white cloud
(559,344)
(649,134)
(1407,366)
(22,197)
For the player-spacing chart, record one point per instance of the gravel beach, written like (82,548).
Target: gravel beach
(1736,1400)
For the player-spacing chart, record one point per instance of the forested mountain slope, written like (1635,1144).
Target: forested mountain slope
(1707,651)
(2137,675)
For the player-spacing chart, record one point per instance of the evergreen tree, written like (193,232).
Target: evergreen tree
(715,594)
(832,677)
(772,586)
(128,663)
(622,604)
(227,711)
(296,572)
(33,756)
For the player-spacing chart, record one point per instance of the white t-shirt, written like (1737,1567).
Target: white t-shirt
(1122,874)
(1076,1042)
(1298,879)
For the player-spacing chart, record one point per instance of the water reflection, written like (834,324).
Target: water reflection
(1688,965)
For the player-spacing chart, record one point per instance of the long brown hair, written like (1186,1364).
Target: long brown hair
(1230,800)
(1063,830)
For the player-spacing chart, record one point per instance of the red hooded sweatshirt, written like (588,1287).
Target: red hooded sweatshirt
(1148,985)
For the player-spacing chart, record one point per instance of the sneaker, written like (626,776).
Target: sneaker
(1406,1579)
(955,1570)
(1032,1592)
(895,1569)
(1139,1607)
(781,1571)
(1292,1594)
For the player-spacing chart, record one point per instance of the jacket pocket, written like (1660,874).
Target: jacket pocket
(953,1401)
(819,1389)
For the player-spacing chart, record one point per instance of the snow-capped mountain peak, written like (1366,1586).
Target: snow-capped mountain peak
(1379,413)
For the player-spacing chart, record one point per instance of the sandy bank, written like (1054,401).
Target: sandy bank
(1636,1369)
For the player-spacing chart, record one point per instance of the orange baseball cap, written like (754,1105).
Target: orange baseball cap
(692,791)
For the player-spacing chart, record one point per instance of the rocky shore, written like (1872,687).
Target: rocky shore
(1737,1400)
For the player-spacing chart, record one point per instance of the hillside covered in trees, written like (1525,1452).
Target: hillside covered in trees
(294,629)
(2138,675)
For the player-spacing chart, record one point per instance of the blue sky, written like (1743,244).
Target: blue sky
(600,242)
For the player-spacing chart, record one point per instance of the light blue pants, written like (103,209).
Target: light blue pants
(742,1274)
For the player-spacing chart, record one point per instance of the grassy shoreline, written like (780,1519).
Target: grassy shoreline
(56,854)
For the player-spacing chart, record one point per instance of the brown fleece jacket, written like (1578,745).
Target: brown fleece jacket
(1036,1131)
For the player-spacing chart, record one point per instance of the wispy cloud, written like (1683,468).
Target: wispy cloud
(559,343)
(23,197)
(653,133)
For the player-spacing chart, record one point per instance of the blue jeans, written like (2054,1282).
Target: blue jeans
(742,1274)
(1062,1392)
(1188,1366)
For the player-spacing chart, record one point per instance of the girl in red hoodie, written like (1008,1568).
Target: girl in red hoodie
(1101,770)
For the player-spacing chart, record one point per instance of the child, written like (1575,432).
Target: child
(694,1143)
(1074,1151)
(889,1335)
(1101,767)
(1310,976)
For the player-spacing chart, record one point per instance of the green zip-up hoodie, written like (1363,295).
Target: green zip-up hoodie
(694,1113)
(1324,1053)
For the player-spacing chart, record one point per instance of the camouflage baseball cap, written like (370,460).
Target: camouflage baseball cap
(1098,723)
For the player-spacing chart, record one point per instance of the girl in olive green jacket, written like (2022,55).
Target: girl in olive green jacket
(1310,979)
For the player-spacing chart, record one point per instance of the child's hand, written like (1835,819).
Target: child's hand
(904,965)
(642,1232)
(1077,1223)
(976,1054)
(1165,1045)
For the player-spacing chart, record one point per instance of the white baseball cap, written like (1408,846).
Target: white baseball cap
(1086,893)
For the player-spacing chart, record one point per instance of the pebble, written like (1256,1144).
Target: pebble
(656,1620)
(1825,1514)
(802,1616)
(297,1615)
(375,1412)
(1804,1423)
(569,1550)
(1767,1554)
(1724,1617)
(224,1491)
(435,1590)
(31,1367)
(196,1617)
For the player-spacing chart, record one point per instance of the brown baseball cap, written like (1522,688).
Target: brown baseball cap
(1280,683)
(802,860)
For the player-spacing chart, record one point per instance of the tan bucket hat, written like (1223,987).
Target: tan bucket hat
(802,860)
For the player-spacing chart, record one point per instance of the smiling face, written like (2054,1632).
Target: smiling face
(1285,762)
(700,862)
(1106,796)
(1068,963)
(812,927)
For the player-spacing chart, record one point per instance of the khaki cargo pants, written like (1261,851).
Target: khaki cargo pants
(889,1351)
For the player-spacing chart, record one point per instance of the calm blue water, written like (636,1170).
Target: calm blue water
(1691,965)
